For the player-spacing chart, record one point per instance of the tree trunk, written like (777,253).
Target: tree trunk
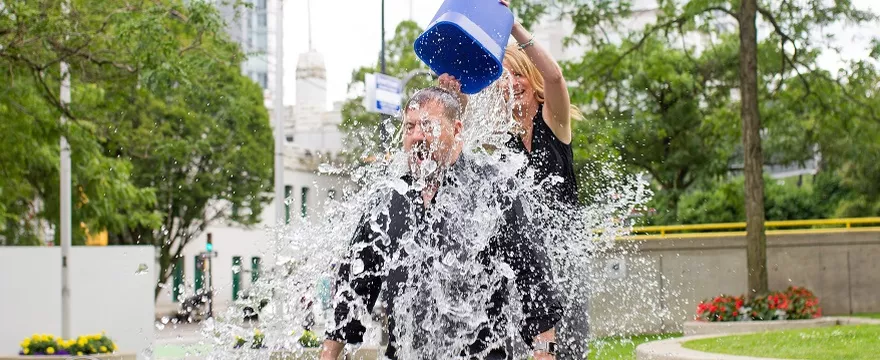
(756,241)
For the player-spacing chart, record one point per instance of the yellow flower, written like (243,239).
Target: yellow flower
(114,346)
(103,349)
(50,350)
(26,351)
(25,343)
(79,353)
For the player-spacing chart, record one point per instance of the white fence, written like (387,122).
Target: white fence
(110,291)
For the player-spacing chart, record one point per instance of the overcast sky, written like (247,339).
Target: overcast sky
(347,33)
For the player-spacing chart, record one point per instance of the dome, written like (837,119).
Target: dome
(311,66)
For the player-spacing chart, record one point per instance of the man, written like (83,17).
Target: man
(446,290)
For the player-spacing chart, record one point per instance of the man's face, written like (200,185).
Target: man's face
(429,135)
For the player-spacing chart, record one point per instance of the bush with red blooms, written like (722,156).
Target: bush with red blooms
(795,303)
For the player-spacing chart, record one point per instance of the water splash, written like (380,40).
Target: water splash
(440,307)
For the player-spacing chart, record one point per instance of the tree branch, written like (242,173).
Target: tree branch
(651,31)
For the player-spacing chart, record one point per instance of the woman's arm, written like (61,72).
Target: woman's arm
(557,103)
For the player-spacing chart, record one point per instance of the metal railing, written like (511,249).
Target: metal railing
(772,227)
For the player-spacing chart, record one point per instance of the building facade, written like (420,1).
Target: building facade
(311,138)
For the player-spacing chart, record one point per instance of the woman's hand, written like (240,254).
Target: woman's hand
(451,84)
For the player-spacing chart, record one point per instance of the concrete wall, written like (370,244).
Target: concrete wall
(666,279)
(108,293)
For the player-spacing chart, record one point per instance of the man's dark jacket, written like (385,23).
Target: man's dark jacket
(513,244)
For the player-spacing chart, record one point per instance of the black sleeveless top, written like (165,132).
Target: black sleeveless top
(549,156)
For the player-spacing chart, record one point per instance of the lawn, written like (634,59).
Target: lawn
(621,348)
(854,342)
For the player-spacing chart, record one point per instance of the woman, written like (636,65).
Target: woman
(543,110)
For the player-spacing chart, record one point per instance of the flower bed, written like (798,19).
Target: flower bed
(45,344)
(795,303)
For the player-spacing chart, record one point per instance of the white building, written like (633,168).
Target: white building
(311,134)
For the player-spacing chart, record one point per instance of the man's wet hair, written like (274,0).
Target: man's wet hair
(451,105)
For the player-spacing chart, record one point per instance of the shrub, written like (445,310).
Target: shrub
(721,308)
(309,340)
(795,303)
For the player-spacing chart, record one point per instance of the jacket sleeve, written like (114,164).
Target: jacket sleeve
(358,282)
(527,256)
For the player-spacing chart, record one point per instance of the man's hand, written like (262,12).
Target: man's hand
(505,2)
(331,350)
(547,336)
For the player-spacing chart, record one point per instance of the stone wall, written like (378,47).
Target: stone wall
(664,280)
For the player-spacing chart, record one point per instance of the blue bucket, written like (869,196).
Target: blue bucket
(466,39)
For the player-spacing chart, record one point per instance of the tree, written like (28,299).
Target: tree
(791,24)
(664,110)
(159,96)
(32,34)
(361,127)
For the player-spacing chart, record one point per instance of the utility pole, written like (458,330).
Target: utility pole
(383,125)
(278,110)
(64,96)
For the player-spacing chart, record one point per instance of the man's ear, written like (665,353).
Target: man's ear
(457,127)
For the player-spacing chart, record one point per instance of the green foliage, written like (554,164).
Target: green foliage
(684,134)
(661,111)
(722,202)
(167,136)
(309,340)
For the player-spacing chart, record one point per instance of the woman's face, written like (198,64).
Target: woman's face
(523,92)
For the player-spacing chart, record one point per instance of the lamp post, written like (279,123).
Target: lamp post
(383,124)
(278,110)
(65,222)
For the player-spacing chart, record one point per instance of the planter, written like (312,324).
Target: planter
(739,327)
(116,356)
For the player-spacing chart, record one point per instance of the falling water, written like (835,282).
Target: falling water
(442,304)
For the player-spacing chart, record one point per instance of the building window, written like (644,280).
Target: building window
(305,201)
(261,4)
(177,288)
(262,78)
(288,191)
(289,138)
(262,42)
(262,19)
(236,277)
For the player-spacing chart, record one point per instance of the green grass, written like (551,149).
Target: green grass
(868,315)
(621,348)
(857,342)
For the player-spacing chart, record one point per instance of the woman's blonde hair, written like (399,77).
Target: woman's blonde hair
(520,63)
